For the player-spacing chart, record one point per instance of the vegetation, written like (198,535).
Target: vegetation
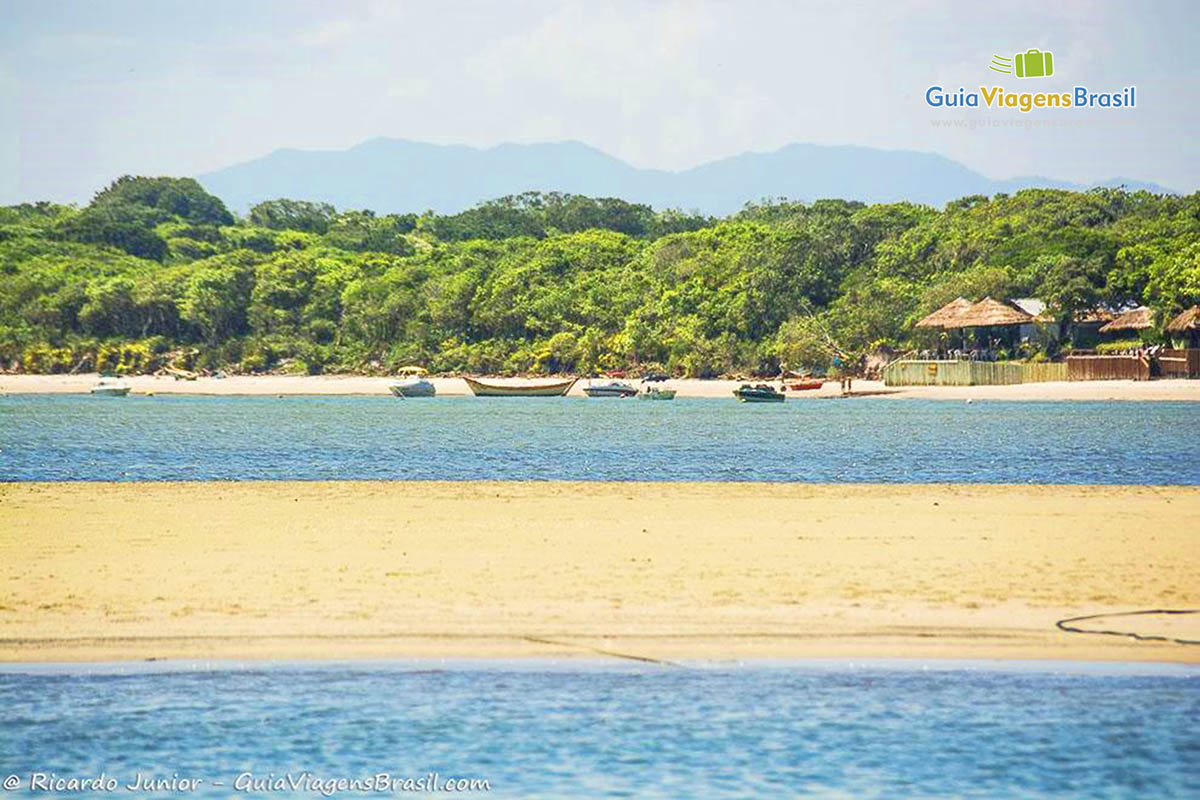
(156,271)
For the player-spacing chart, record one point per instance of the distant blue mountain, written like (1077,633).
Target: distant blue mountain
(395,175)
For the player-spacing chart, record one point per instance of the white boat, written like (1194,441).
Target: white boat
(418,387)
(111,387)
(411,382)
(611,389)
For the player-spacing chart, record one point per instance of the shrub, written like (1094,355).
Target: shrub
(1118,346)
(43,359)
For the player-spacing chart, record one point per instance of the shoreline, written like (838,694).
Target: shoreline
(596,664)
(1174,390)
(99,572)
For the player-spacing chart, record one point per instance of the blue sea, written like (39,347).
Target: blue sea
(540,730)
(864,440)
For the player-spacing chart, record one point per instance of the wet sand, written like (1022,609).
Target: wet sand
(1159,390)
(92,572)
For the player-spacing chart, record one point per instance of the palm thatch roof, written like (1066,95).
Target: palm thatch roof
(946,313)
(1136,320)
(988,313)
(1189,320)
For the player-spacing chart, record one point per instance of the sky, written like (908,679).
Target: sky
(93,90)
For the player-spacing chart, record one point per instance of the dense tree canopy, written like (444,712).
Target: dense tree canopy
(156,271)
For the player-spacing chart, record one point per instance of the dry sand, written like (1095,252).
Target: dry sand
(361,385)
(659,571)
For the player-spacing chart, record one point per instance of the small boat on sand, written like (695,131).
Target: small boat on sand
(611,389)
(110,387)
(760,393)
(806,385)
(417,387)
(522,389)
(411,383)
(651,393)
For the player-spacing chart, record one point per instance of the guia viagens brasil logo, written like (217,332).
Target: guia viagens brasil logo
(1032,63)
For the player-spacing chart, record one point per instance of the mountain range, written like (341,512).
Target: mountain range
(398,176)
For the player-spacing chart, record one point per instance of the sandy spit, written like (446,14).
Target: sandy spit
(97,572)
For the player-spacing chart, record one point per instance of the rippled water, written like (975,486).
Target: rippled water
(865,440)
(536,731)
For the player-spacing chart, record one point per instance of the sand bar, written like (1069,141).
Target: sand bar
(1158,390)
(92,571)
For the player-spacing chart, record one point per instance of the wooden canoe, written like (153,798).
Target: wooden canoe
(557,389)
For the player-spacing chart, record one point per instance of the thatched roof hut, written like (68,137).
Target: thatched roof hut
(1139,319)
(989,313)
(946,313)
(1189,320)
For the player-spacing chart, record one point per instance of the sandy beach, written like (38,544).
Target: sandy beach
(1158,390)
(652,571)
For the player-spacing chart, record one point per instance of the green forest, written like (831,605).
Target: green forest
(157,272)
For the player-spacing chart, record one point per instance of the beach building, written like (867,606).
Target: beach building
(1131,323)
(940,320)
(984,328)
(1082,331)
(993,322)
(1184,332)
(1184,329)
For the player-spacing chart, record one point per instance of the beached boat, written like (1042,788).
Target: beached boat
(804,386)
(761,393)
(523,389)
(650,393)
(110,387)
(411,383)
(611,389)
(418,387)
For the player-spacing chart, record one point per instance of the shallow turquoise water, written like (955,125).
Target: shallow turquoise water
(539,731)
(829,441)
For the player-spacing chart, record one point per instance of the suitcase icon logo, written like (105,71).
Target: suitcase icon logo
(1033,63)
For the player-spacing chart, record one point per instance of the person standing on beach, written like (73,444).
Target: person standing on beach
(843,374)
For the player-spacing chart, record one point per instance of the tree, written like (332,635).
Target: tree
(295,215)
(1072,285)
(216,299)
(178,197)
(122,225)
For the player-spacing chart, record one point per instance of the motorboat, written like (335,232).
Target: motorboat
(760,393)
(611,389)
(651,393)
(411,382)
(110,387)
(415,387)
(519,389)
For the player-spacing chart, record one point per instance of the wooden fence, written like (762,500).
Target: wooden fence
(1045,372)
(1179,363)
(969,373)
(1138,367)
(1108,368)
